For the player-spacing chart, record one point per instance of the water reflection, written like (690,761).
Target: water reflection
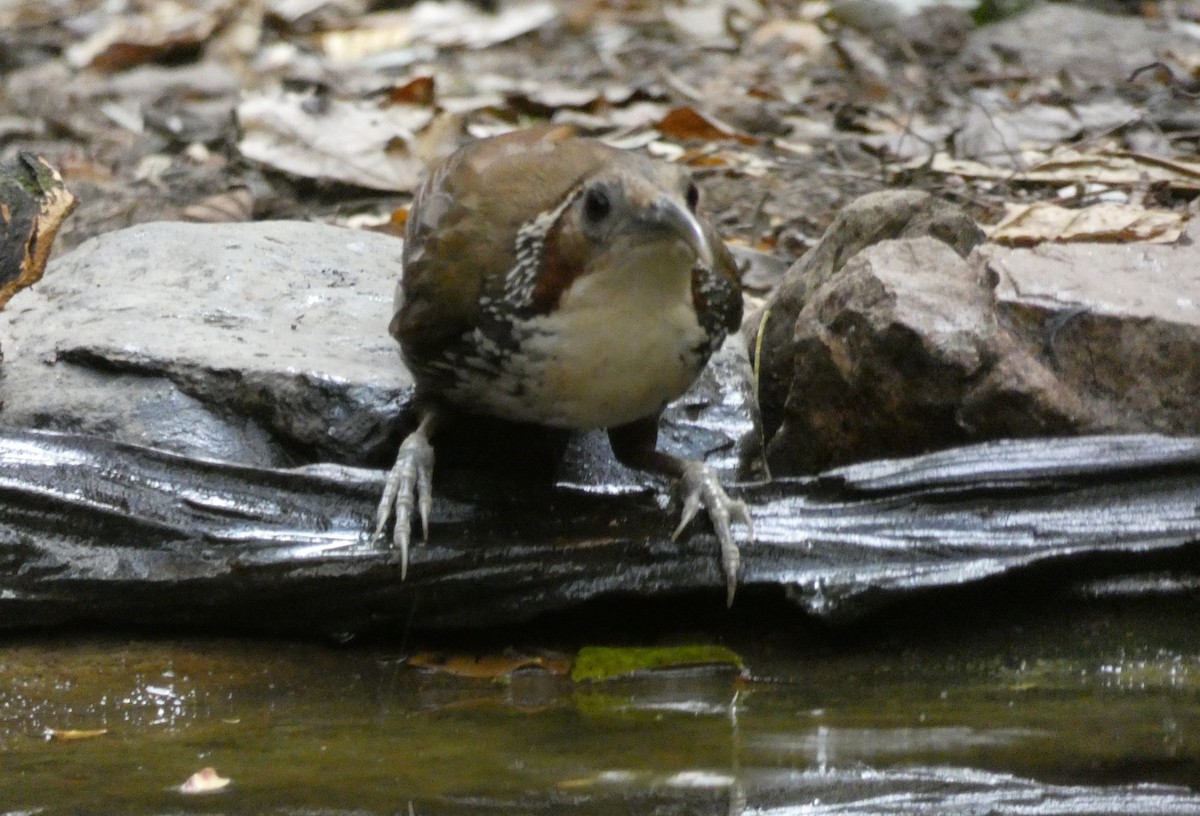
(1032,720)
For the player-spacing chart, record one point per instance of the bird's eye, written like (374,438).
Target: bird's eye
(596,206)
(693,197)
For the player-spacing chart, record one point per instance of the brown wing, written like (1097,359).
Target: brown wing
(464,221)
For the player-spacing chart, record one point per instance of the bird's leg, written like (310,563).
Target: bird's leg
(635,445)
(412,473)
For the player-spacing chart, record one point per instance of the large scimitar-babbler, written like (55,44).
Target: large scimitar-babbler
(556,280)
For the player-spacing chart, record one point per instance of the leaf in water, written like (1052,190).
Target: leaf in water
(205,780)
(597,663)
(1029,224)
(609,777)
(489,667)
(74,734)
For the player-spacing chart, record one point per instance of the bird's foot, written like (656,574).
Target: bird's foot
(702,489)
(409,482)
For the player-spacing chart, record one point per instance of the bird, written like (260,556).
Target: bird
(552,279)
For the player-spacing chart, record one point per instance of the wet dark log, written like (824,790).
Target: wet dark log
(99,533)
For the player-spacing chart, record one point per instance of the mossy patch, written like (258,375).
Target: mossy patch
(599,663)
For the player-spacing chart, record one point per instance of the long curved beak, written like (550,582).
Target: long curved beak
(666,217)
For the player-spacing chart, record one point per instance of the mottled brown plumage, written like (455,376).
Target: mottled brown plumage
(556,280)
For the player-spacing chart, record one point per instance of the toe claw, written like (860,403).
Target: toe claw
(425,498)
(412,474)
(704,489)
(691,506)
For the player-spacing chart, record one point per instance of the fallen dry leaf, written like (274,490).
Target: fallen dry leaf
(1114,168)
(395,224)
(163,28)
(440,24)
(420,90)
(310,15)
(352,141)
(34,202)
(801,36)
(688,123)
(205,780)
(1029,224)
(488,667)
(231,206)
(73,734)
(713,23)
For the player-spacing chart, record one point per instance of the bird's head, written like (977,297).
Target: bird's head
(639,217)
(631,221)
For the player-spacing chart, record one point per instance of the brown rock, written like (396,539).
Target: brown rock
(868,220)
(900,353)
(885,341)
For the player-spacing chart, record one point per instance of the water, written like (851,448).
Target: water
(1088,694)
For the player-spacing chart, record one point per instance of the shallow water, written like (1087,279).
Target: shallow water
(1089,695)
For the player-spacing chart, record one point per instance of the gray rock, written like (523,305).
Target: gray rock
(267,344)
(244,342)
(1117,324)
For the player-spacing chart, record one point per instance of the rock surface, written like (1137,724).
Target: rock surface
(108,534)
(244,342)
(1118,325)
(267,344)
(252,344)
(888,338)
(823,401)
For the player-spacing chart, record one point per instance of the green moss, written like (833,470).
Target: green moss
(598,663)
(993,11)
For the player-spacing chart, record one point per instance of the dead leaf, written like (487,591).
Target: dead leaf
(16,14)
(440,24)
(489,667)
(314,15)
(205,780)
(801,36)
(73,734)
(713,23)
(34,203)
(231,206)
(164,27)
(993,125)
(687,123)
(1030,224)
(351,141)
(420,90)
(1113,168)
(395,223)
